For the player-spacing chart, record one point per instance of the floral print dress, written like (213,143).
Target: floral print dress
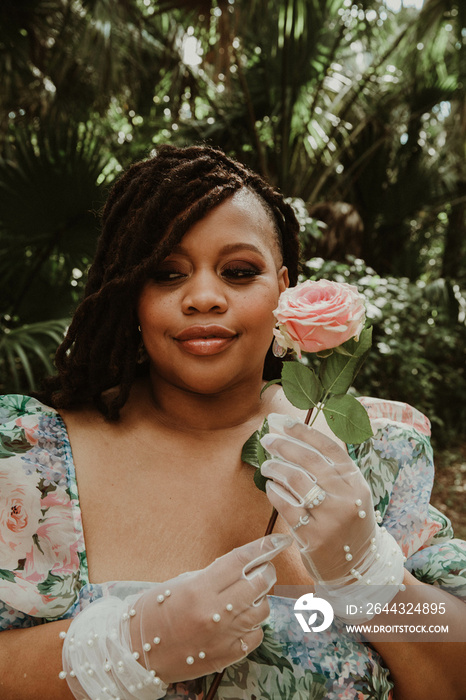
(44,575)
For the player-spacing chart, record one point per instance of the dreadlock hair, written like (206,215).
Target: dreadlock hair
(147,213)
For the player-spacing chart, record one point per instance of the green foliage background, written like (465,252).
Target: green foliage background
(333,101)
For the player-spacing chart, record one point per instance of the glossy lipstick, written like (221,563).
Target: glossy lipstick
(205,340)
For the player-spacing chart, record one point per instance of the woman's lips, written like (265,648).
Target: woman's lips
(205,340)
(205,346)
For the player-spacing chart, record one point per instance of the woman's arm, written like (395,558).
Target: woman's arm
(107,644)
(336,530)
(30,661)
(428,668)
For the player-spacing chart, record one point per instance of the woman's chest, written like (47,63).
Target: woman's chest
(153,513)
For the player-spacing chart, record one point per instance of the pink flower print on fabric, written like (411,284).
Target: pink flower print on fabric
(29,425)
(57,550)
(20,511)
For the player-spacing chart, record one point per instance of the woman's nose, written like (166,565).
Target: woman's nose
(204,292)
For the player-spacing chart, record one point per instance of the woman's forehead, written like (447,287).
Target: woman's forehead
(241,216)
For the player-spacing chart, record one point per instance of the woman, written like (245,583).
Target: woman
(130,473)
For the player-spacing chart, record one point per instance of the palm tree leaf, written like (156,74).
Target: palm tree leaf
(26,353)
(21,355)
(52,181)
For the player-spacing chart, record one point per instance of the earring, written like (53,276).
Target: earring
(277,349)
(142,355)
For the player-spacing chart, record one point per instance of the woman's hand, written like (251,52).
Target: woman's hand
(334,532)
(212,617)
(192,625)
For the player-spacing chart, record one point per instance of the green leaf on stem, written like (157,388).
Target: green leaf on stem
(360,347)
(324,353)
(338,371)
(254,454)
(301,385)
(272,381)
(341,349)
(347,419)
(260,480)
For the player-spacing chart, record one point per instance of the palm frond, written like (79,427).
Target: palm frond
(52,182)
(26,354)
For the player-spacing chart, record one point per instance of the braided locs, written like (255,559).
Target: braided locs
(148,211)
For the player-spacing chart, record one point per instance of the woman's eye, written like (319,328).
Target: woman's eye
(241,272)
(167,276)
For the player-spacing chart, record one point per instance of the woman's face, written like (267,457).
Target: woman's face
(206,315)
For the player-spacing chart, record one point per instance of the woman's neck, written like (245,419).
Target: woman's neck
(188,411)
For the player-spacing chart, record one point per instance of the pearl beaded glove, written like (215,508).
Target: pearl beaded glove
(190,626)
(318,489)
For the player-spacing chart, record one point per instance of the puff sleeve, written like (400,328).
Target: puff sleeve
(42,553)
(397,463)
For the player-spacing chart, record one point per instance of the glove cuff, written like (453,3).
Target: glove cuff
(98,660)
(377,580)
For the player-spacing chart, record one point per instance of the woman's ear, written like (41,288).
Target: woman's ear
(283,279)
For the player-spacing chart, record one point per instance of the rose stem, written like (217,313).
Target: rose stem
(215,684)
(272,522)
(273,517)
(270,526)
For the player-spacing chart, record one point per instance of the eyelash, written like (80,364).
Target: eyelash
(165,276)
(233,273)
(241,272)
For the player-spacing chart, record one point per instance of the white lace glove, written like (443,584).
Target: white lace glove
(190,626)
(320,492)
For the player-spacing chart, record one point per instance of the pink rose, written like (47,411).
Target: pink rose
(316,316)
(20,511)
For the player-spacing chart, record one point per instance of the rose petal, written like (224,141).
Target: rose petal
(317,316)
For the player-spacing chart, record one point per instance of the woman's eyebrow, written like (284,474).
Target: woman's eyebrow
(234,247)
(228,248)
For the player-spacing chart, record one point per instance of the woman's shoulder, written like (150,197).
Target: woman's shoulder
(276,402)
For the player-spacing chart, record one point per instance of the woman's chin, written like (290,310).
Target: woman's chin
(215,383)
